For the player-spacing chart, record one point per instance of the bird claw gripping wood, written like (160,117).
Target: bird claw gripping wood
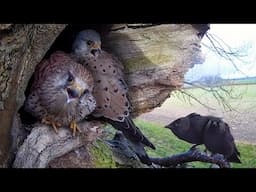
(55,125)
(74,127)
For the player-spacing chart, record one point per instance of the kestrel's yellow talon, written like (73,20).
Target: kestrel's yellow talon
(77,127)
(58,124)
(45,121)
(74,127)
(55,125)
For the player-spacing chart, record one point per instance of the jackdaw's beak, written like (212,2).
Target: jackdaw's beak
(167,126)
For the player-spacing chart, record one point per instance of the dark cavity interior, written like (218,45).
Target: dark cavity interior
(63,43)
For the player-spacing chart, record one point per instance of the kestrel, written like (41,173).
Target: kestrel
(61,92)
(110,89)
(211,131)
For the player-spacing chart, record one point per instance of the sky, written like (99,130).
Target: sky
(240,37)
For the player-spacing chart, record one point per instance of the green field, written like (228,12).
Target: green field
(244,81)
(235,95)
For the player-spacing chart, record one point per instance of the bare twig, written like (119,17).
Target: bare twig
(191,96)
(220,50)
(192,155)
(217,94)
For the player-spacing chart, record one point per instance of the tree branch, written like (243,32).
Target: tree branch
(192,155)
(44,145)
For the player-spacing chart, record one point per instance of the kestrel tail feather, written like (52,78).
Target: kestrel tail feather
(137,140)
(131,131)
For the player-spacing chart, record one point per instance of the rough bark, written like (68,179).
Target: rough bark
(155,58)
(21,48)
(43,144)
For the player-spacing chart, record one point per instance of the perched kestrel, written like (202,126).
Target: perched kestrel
(110,89)
(61,92)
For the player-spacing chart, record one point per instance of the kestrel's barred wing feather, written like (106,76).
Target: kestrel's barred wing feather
(33,102)
(32,105)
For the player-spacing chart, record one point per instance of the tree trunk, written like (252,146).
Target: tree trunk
(21,48)
(155,58)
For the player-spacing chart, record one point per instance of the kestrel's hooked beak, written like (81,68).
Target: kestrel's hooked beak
(96,48)
(74,90)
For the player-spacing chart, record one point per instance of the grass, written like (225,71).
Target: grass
(168,144)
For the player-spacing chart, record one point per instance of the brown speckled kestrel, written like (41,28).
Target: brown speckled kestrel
(60,94)
(110,89)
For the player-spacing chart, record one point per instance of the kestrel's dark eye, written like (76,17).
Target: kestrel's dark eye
(89,42)
(70,78)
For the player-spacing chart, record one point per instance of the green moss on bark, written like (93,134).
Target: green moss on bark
(101,155)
